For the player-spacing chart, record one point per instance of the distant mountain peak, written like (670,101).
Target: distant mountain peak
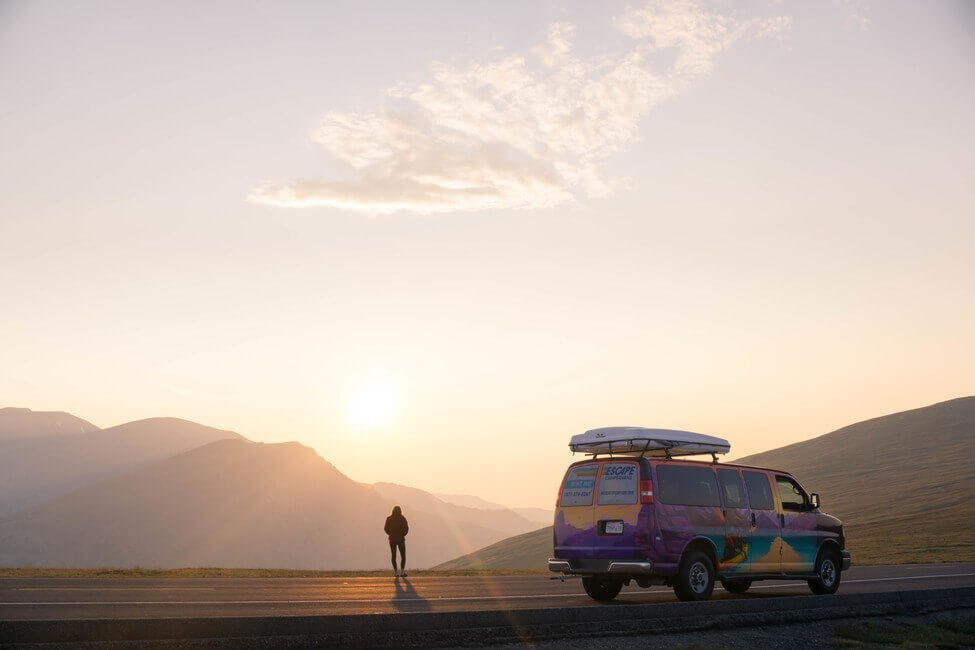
(17,422)
(165,424)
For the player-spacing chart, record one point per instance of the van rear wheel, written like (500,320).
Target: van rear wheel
(602,589)
(827,579)
(695,580)
(736,586)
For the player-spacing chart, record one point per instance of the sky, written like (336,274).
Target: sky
(434,240)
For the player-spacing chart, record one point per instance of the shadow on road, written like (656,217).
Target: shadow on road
(406,598)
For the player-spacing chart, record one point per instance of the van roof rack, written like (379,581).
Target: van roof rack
(643,442)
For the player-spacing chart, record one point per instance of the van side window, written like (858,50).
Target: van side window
(731,488)
(577,489)
(759,492)
(793,498)
(687,486)
(618,484)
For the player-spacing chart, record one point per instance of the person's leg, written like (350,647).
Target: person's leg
(392,554)
(402,557)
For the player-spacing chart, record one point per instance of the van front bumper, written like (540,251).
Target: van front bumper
(592,567)
(845,560)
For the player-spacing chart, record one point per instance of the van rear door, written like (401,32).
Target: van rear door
(575,532)
(617,518)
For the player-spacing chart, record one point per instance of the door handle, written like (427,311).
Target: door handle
(753,520)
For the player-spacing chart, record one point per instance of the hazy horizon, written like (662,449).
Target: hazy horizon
(573,457)
(434,241)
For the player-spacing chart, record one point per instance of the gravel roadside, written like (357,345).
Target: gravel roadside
(815,634)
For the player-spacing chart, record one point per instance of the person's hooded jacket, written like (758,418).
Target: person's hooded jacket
(396,526)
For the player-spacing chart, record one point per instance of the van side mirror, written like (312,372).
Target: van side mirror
(814,500)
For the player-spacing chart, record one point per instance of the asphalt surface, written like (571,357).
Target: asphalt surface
(88,598)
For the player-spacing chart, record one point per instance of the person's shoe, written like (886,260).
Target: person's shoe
(403,573)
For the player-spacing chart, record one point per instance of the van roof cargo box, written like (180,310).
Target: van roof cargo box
(647,442)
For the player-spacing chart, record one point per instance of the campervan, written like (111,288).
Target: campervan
(638,510)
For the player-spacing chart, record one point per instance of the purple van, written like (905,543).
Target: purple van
(640,513)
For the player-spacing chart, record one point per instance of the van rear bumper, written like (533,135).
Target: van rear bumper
(590,567)
(845,560)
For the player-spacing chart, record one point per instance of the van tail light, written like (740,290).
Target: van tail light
(646,491)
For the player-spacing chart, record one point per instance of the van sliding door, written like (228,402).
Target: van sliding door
(764,530)
(734,553)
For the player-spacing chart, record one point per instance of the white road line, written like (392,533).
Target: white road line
(846,582)
(431,599)
(302,602)
(115,589)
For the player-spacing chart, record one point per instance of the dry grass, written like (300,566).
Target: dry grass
(940,536)
(950,633)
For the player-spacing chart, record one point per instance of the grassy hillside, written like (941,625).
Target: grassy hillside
(901,483)
(526,551)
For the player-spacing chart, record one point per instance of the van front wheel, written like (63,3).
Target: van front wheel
(695,581)
(602,589)
(827,579)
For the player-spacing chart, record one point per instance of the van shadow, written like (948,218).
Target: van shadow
(406,598)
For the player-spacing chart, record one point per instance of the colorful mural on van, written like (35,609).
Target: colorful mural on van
(640,518)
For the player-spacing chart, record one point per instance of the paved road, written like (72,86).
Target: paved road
(57,598)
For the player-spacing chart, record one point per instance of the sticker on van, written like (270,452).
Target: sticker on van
(618,484)
(578,486)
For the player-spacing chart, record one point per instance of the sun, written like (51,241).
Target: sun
(372,405)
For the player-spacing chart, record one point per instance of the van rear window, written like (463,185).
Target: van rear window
(618,484)
(687,486)
(578,486)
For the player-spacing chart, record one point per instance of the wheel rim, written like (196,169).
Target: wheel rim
(827,572)
(698,577)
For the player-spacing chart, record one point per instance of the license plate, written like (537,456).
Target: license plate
(614,528)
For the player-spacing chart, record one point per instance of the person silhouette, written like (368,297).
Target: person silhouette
(397,528)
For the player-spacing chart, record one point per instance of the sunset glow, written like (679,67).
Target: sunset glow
(476,229)
(372,405)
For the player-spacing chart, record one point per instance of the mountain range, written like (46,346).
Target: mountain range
(901,483)
(62,452)
(165,492)
(24,423)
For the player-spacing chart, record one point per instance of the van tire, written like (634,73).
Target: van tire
(695,580)
(602,589)
(827,579)
(736,586)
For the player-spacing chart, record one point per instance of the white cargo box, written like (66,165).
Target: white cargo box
(649,442)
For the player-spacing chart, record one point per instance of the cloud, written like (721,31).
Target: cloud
(856,12)
(520,131)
